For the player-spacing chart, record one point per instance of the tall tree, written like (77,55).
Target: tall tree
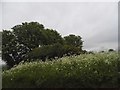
(24,38)
(21,40)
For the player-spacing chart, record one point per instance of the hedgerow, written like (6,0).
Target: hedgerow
(99,70)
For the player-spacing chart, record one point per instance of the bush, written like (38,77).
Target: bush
(46,52)
(71,50)
(83,71)
(52,51)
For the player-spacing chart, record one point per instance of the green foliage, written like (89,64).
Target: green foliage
(29,34)
(73,40)
(71,50)
(51,37)
(83,71)
(46,52)
(24,38)
(53,51)
(12,51)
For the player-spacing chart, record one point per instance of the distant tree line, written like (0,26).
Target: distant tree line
(32,41)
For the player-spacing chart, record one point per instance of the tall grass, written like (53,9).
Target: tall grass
(83,71)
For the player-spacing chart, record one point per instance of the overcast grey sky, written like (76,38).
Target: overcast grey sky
(95,22)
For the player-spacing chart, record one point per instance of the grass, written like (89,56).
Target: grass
(99,70)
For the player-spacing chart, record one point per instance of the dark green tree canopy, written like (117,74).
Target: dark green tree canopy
(51,36)
(46,52)
(7,44)
(25,38)
(51,51)
(29,34)
(34,34)
(73,40)
(12,51)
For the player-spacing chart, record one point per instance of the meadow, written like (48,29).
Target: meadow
(97,70)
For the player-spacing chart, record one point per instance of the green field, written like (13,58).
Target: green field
(99,70)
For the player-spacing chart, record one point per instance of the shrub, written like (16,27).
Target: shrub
(83,71)
(71,50)
(46,52)
(52,51)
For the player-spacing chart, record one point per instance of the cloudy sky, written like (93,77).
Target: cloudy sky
(95,22)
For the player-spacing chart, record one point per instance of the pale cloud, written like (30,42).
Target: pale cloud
(97,23)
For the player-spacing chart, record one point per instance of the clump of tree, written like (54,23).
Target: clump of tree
(73,41)
(111,50)
(52,51)
(32,40)
(46,52)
